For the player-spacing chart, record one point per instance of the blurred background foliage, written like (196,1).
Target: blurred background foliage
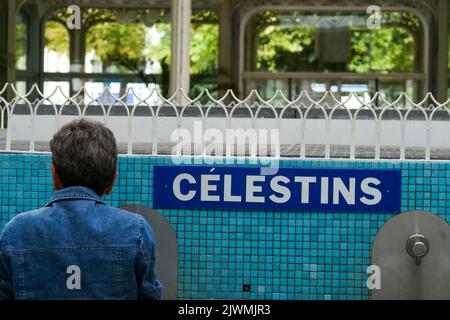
(120,39)
(284,46)
(129,41)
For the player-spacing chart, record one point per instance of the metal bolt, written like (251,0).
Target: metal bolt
(417,247)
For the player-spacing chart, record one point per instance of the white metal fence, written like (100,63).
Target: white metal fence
(144,122)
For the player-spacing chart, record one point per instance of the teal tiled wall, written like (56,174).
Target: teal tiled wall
(274,255)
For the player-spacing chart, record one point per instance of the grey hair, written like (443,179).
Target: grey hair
(85,154)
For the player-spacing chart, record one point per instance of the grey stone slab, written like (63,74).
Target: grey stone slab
(287,151)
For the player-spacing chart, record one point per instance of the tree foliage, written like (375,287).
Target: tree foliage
(21,42)
(119,37)
(284,44)
(285,48)
(387,49)
(449,56)
(162,51)
(120,45)
(56,37)
(204,48)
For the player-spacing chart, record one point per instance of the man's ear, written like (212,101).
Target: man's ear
(108,189)
(57,185)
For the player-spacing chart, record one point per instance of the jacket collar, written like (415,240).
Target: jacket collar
(75,193)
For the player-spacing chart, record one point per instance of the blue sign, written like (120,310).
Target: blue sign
(245,188)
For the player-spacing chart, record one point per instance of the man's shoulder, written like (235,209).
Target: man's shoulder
(38,224)
(26,217)
(122,214)
(126,218)
(144,227)
(21,222)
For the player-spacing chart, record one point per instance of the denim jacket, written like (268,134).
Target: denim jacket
(77,247)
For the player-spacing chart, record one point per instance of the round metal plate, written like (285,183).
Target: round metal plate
(401,277)
(166,260)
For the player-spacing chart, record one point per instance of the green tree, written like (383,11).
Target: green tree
(388,49)
(21,44)
(120,45)
(204,48)
(121,39)
(56,37)
(162,51)
(282,49)
(449,54)
(283,45)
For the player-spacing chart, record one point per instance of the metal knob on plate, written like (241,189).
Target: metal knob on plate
(417,247)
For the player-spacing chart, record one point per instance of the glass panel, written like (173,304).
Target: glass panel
(131,41)
(21,87)
(340,42)
(204,51)
(56,50)
(125,45)
(117,48)
(268,88)
(327,43)
(21,41)
(141,94)
(56,91)
(390,90)
(93,90)
(204,43)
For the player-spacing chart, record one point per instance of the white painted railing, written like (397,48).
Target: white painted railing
(145,122)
